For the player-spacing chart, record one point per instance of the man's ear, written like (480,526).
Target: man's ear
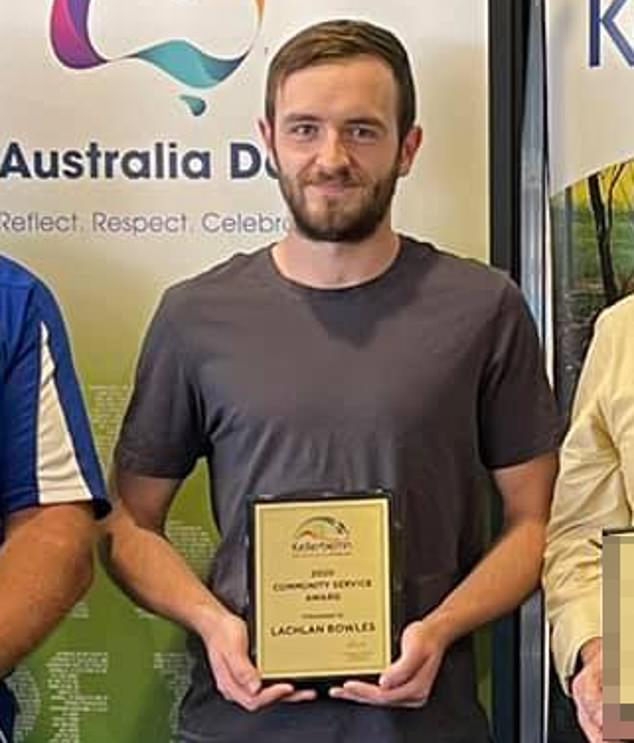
(266,132)
(409,147)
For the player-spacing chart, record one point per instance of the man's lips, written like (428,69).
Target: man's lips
(333,187)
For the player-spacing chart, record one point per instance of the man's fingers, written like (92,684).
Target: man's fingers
(231,690)
(304,695)
(412,694)
(269,695)
(224,680)
(245,674)
(237,681)
(252,702)
(400,672)
(355,692)
(422,649)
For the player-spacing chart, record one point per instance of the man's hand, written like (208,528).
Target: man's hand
(587,690)
(408,681)
(236,677)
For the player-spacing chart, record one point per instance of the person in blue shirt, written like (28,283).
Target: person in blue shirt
(51,484)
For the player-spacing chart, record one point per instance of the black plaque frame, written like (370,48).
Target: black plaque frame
(323,683)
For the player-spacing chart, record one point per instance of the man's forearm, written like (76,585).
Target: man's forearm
(511,569)
(45,568)
(143,562)
(151,571)
(505,576)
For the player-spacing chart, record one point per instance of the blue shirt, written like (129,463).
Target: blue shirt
(46,451)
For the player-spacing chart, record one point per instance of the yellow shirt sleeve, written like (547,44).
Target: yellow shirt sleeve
(594,488)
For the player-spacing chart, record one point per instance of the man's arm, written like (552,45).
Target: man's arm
(50,481)
(45,568)
(593,492)
(139,557)
(589,495)
(505,576)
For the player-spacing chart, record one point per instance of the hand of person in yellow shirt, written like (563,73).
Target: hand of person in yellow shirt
(587,690)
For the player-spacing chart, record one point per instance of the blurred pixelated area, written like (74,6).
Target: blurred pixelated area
(618,638)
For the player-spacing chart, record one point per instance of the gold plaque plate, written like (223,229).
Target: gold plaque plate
(321,587)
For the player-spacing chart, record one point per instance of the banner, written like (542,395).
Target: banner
(591,120)
(129,159)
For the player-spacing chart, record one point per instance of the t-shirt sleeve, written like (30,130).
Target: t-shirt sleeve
(47,455)
(161,432)
(518,418)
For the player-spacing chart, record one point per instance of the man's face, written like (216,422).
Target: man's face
(335,145)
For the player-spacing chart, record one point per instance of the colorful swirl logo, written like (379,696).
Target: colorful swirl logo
(177,58)
(326,528)
(321,535)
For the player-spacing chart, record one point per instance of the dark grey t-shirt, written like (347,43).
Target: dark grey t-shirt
(411,382)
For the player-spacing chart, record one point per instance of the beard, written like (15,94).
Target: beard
(334,220)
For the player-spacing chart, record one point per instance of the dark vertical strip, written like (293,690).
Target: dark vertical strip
(507,53)
(508,23)
(533,281)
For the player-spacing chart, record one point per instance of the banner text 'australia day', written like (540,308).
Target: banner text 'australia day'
(158,161)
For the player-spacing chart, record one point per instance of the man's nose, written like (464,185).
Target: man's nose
(333,153)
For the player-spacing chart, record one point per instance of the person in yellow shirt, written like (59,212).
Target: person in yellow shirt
(594,491)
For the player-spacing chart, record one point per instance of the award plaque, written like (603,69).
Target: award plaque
(618,639)
(321,586)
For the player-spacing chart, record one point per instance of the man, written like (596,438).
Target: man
(345,357)
(49,475)
(595,491)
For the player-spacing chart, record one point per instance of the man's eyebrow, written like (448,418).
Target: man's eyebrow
(366,121)
(308,118)
(292,118)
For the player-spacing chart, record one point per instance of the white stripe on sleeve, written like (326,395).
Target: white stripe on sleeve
(59,475)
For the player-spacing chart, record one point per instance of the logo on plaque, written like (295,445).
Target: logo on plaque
(321,535)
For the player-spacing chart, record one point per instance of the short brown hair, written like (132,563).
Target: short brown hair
(332,41)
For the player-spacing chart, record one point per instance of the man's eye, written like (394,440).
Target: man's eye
(359,132)
(303,130)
